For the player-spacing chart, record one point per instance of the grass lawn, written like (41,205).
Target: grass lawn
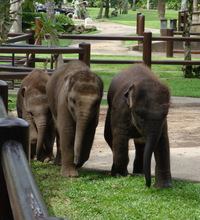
(99,196)
(151,17)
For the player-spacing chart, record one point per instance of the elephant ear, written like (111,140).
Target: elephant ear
(129,95)
(24,89)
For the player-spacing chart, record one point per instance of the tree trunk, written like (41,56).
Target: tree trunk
(195,5)
(83,11)
(17,24)
(6,18)
(148,1)
(184,5)
(187,70)
(50,13)
(100,10)
(161,9)
(50,10)
(134,6)
(106,15)
(125,7)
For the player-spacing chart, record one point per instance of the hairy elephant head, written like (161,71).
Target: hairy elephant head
(84,97)
(148,102)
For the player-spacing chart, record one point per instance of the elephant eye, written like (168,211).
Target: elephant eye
(73,101)
(140,118)
(31,114)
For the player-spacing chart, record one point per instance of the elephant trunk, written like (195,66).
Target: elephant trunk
(81,127)
(41,129)
(151,139)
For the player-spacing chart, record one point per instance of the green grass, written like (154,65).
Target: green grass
(151,17)
(12,102)
(99,196)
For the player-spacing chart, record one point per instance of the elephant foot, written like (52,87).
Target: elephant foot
(48,159)
(118,175)
(138,171)
(163,184)
(117,172)
(69,172)
(57,161)
(45,158)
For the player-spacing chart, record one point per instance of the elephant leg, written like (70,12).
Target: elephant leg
(139,154)
(57,159)
(32,139)
(67,136)
(49,142)
(120,154)
(162,158)
(107,131)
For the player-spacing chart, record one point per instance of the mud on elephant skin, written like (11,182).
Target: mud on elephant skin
(138,108)
(74,94)
(33,107)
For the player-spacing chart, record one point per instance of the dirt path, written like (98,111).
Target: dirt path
(184,137)
(183,127)
(109,47)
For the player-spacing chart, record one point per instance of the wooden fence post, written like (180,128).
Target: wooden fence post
(32,39)
(137,19)
(37,30)
(30,57)
(147,42)
(85,57)
(169,44)
(4,94)
(10,128)
(141,20)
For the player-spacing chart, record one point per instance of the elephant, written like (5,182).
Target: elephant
(138,104)
(74,93)
(33,107)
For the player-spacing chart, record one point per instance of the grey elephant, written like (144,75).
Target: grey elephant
(138,107)
(33,107)
(74,93)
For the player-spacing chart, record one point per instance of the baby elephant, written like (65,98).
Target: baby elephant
(138,108)
(74,94)
(33,107)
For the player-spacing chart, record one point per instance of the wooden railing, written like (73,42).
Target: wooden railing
(84,52)
(20,197)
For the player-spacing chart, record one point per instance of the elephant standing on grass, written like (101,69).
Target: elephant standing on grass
(33,107)
(138,108)
(74,94)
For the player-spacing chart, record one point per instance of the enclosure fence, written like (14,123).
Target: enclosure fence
(20,197)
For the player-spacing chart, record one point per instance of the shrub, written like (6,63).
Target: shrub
(28,19)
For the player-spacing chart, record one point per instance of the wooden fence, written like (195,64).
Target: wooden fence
(20,197)
(14,71)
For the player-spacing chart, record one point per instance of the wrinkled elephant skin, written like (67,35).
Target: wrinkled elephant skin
(138,107)
(33,107)
(74,95)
